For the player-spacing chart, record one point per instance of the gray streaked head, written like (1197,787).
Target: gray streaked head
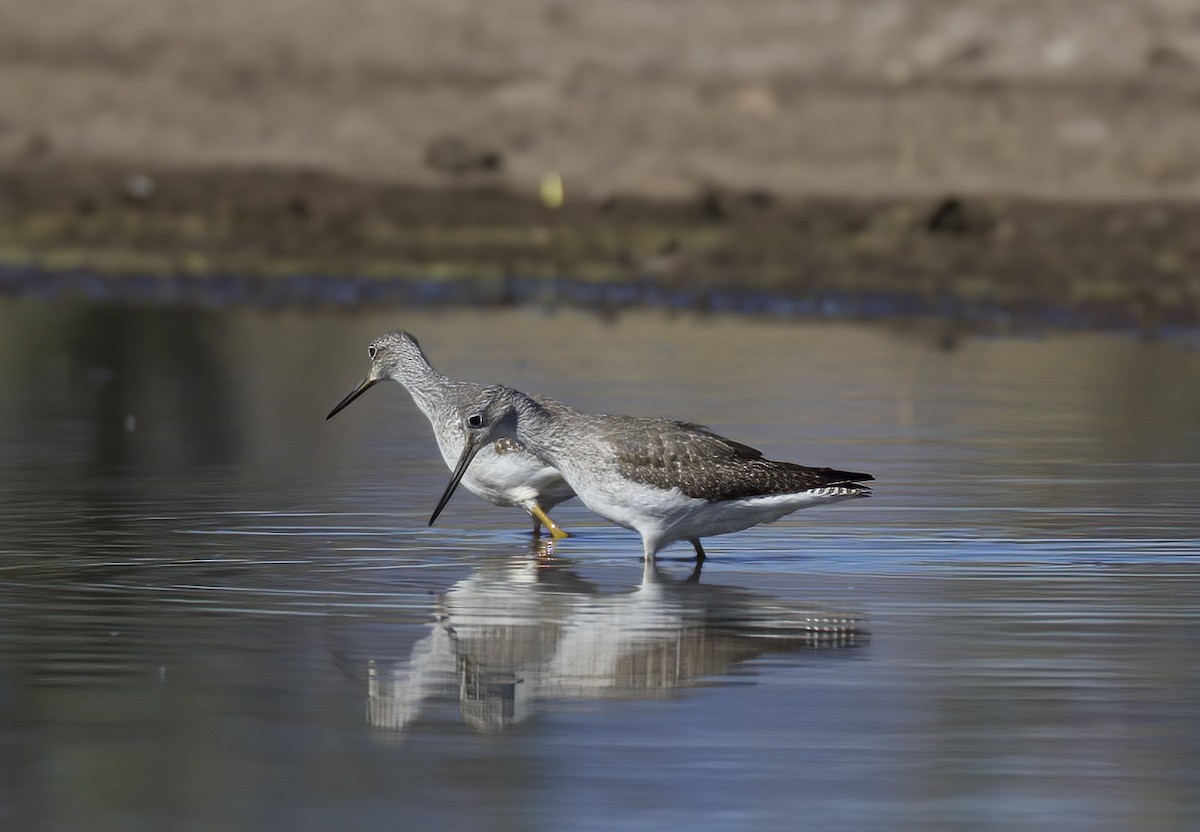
(393,355)
(490,418)
(494,413)
(395,352)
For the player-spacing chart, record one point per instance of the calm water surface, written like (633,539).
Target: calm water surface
(218,611)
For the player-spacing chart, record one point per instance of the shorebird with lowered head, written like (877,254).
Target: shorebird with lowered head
(504,473)
(666,480)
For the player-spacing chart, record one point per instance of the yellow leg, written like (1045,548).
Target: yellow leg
(544,518)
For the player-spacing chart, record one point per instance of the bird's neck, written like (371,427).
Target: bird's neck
(422,381)
(544,428)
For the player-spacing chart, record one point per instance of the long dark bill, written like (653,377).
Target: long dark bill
(469,450)
(365,385)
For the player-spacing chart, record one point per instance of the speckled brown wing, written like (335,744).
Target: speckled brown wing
(708,466)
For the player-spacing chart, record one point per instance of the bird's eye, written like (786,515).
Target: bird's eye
(371,351)
(475,420)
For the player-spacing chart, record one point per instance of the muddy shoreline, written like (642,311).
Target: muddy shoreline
(1000,160)
(278,237)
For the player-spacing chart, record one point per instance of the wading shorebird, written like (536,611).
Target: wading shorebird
(666,480)
(504,473)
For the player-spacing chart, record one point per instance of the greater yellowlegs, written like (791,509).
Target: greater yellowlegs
(504,473)
(666,480)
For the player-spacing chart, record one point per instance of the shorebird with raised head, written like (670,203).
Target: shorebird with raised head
(666,480)
(504,473)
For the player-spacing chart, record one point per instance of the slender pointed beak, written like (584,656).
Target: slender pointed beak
(365,385)
(469,450)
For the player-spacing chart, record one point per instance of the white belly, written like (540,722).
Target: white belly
(663,517)
(508,478)
(513,479)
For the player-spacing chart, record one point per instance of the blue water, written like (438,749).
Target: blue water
(219,611)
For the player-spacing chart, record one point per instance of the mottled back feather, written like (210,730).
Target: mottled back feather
(705,465)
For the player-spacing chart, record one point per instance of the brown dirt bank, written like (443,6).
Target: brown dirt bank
(944,155)
(955,257)
(1059,99)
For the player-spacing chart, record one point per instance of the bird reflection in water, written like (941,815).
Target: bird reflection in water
(524,630)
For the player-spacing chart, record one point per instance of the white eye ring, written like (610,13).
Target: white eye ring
(371,351)
(474,421)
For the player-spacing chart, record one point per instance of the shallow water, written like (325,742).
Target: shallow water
(218,611)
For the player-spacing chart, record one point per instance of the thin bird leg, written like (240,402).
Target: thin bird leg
(544,518)
(700,556)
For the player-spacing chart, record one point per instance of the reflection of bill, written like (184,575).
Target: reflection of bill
(521,631)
